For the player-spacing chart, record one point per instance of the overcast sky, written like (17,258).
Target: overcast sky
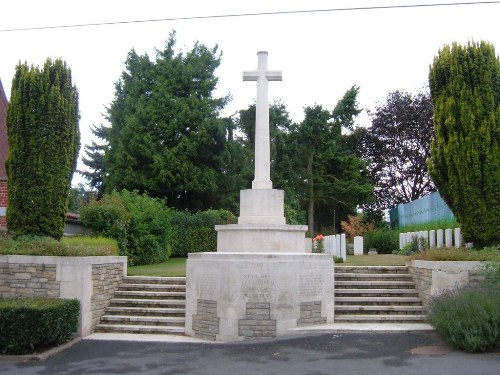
(321,54)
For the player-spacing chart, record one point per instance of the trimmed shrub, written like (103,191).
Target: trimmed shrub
(27,324)
(468,319)
(460,254)
(193,233)
(385,241)
(67,246)
(139,223)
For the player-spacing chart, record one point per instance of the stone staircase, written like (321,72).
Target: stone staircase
(376,295)
(147,305)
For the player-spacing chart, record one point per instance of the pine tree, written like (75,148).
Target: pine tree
(42,125)
(94,160)
(465,154)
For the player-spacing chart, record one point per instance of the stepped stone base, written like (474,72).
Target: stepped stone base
(259,295)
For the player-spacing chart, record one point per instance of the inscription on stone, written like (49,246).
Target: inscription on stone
(310,286)
(257,286)
(208,285)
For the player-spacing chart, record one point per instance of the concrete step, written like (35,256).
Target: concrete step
(377,309)
(371,269)
(145,311)
(143,320)
(372,276)
(126,328)
(154,280)
(149,294)
(375,300)
(380,318)
(377,291)
(154,287)
(370,284)
(147,302)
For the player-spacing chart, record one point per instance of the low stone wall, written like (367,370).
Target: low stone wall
(91,280)
(433,278)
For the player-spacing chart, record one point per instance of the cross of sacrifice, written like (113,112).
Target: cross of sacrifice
(262,177)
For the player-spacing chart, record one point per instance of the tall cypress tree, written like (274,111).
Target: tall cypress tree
(44,139)
(465,154)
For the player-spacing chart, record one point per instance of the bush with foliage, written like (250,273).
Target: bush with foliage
(139,223)
(67,246)
(415,245)
(354,226)
(27,324)
(193,233)
(470,318)
(458,254)
(385,241)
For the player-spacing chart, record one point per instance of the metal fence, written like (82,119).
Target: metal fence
(424,210)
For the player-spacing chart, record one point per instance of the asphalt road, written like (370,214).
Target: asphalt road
(320,354)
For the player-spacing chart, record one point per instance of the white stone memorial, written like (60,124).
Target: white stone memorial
(432,238)
(458,237)
(261,282)
(448,237)
(439,241)
(358,245)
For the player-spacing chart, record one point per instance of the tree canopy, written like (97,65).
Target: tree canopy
(166,137)
(396,146)
(44,139)
(465,153)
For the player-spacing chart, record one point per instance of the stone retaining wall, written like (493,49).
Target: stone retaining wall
(433,278)
(91,280)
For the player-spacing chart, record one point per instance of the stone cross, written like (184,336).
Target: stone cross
(262,178)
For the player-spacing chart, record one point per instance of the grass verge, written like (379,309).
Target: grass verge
(173,267)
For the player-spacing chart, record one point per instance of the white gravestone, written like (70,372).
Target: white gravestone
(439,242)
(448,237)
(402,238)
(358,245)
(343,247)
(458,237)
(432,238)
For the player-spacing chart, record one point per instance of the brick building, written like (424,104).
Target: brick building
(4,149)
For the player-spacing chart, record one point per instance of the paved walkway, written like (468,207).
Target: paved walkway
(373,353)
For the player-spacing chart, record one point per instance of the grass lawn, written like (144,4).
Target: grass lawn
(177,266)
(172,267)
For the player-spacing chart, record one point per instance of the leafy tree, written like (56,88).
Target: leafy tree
(166,138)
(42,125)
(396,146)
(94,160)
(78,196)
(326,175)
(465,153)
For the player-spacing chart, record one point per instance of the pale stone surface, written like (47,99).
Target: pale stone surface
(262,75)
(402,241)
(432,238)
(439,242)
(282,280)
(74,279)
(263,238)
(343,247)
(338,250)
(458,237)
(262,206)
(448,237)
(358,245)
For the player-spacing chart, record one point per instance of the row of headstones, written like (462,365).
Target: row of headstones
(336,245)
(434,238)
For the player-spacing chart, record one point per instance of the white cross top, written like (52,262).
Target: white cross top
(262,178)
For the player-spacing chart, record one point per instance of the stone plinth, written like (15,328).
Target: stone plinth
(262,206)
(261,238)
(252,296)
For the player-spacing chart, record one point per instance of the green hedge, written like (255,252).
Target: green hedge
(384,240)
(193,233)
(27,324)
(139,223)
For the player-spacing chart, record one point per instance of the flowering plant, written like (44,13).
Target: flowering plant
(318,246)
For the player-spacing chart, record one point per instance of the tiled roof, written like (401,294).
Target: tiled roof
(4,144)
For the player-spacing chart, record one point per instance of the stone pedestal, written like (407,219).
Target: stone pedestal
(236,296)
